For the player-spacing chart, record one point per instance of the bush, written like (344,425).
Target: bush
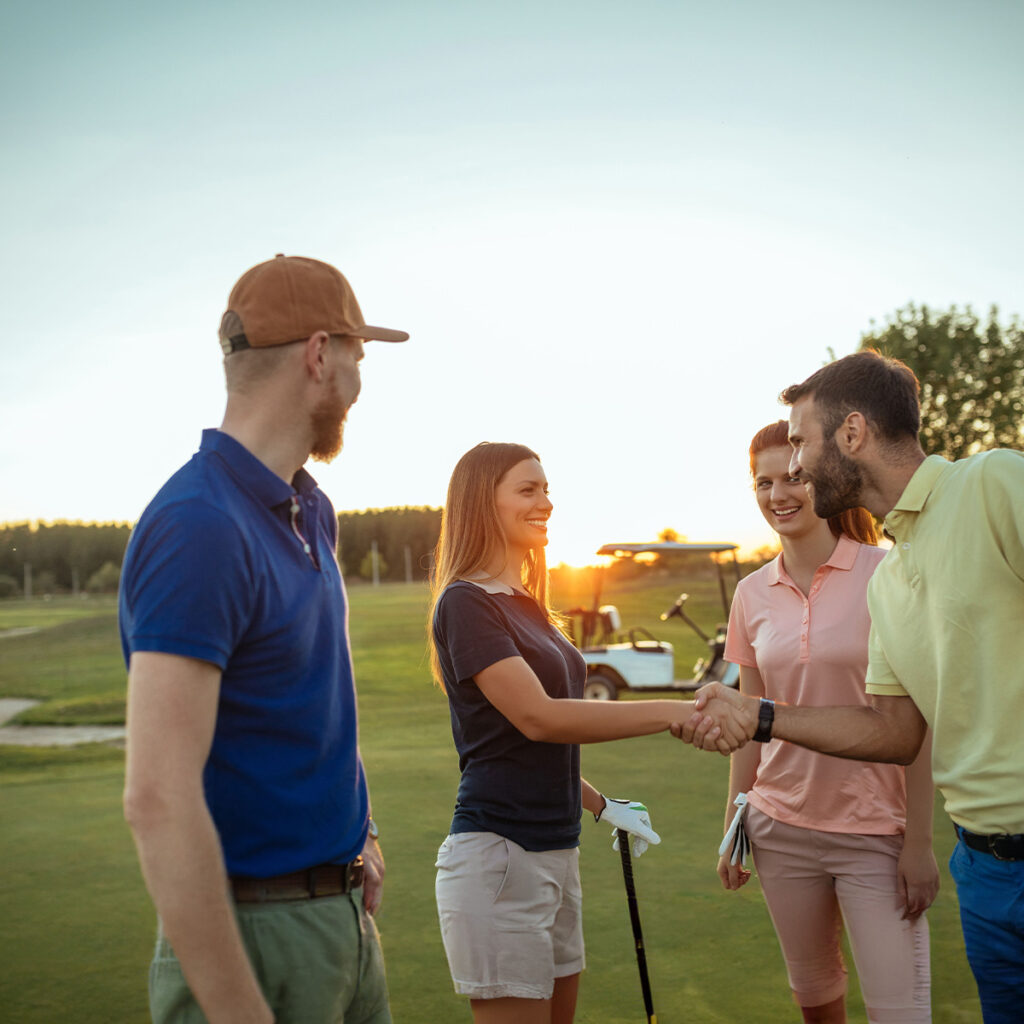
(366,566)
(8,586)
(105,579)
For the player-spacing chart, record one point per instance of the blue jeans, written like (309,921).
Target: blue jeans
(991,894)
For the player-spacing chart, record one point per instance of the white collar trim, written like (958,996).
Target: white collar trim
(489,586)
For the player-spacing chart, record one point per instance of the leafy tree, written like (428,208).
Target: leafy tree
(396,530)
(971,374)
(44,583)
(105,579)
(366,566)
(68,551)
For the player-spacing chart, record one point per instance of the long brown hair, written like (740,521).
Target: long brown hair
(856,523)
(471,532)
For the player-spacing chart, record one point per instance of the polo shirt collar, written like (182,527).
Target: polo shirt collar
(843,557)
(918,489)
(265,484)
(489,586)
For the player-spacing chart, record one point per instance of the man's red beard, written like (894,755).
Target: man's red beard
(328,425)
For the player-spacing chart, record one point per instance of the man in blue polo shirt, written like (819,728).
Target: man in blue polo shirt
(245,791)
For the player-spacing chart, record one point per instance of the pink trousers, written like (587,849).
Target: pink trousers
(813,882)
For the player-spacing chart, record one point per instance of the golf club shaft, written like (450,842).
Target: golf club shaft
(634,917)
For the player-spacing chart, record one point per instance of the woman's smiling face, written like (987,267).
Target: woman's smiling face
(783,499)
(521,499)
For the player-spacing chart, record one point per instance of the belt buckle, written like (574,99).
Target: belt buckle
(354,874)
(992,840)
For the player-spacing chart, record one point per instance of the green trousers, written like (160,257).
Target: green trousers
(317,961)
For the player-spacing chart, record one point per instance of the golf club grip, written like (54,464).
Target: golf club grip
(634,917)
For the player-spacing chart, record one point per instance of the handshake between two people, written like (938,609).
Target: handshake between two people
(723,719)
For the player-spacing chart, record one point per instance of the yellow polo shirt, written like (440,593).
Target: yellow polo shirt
(947,629)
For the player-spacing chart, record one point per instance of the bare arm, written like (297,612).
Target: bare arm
(743,767)
(592,799)
(172,709)
(513,688)
(890,729)
(918,872)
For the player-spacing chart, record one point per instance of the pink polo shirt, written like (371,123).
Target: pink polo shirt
(814,651)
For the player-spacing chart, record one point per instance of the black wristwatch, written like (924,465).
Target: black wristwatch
(765,718)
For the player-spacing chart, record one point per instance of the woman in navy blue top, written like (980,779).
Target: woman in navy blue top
(508,875)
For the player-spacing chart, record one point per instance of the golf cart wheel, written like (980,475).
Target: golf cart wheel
(600,687)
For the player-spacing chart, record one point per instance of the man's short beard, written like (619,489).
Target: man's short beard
(328,424)
(837,482)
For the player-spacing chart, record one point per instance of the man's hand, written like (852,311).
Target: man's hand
(373,876)
(723,720)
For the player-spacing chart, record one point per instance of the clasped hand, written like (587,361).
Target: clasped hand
(723,720)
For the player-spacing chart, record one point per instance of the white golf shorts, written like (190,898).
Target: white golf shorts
(511,919)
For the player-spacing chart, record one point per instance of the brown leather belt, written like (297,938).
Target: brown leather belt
(311,884)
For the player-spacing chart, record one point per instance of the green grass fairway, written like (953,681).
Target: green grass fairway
(41,611)
(78,927)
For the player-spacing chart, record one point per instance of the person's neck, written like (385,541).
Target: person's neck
(885,480)
(271,438)
(803,556)
(508,569)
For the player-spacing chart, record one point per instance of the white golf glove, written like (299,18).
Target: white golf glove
(735,842)
(631,817)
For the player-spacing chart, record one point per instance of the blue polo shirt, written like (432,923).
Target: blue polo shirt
(217,569)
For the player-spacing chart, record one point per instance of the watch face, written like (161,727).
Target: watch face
(373,829)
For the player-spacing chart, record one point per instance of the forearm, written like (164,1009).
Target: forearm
(856,732)
(592,799)
(743,765)
(587,721)
(183,867)
(920,797)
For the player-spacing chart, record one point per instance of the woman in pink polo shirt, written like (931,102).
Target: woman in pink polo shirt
(833,840)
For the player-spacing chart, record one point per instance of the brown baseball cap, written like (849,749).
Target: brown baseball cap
(290,298)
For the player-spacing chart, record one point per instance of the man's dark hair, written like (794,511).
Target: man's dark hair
(884,390)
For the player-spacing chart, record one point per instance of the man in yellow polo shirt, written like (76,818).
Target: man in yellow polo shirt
(947,639)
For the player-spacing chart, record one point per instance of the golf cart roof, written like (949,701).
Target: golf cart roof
(620,550)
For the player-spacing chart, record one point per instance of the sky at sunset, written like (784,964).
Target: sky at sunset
(615,231)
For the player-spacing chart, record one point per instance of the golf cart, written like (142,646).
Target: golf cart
(635,660)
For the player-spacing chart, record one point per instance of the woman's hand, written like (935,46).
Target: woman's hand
(733,876)
(918,876)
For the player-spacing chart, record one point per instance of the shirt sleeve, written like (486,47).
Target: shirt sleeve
(1003,488)
(880,678)
(189,588)
(470,627)
(738,648)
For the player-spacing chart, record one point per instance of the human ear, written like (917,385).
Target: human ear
(852,435)
(315,354)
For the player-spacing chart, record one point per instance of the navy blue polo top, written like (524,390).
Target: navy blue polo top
(524,790)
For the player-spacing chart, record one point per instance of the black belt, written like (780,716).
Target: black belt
(311,884)
(1001,846)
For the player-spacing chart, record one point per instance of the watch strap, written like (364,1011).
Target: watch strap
(765,720)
